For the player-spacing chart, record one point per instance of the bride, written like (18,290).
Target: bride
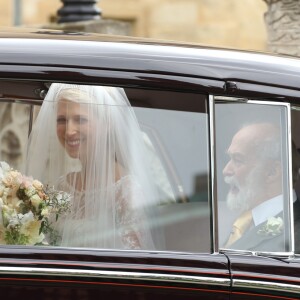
(86,141)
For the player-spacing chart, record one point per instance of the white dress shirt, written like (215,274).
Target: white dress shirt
(268,209)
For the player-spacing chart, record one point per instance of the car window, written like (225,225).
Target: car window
(295,116)
(254,191)
(107,167)
(178,144)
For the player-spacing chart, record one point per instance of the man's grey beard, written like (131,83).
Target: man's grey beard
(247,194)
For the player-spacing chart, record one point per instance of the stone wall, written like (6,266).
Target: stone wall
(229,23)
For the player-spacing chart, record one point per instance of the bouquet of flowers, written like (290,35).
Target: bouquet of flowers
(28,210)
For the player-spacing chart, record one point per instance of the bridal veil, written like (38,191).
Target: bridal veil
(86,140)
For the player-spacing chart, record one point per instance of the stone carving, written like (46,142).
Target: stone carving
(283,26)
(14,125)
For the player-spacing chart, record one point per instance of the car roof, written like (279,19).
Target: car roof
(87,50)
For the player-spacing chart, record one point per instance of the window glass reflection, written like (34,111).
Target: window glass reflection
(14,122)
(253,186)
(295,115)
(179,160)
(107,168)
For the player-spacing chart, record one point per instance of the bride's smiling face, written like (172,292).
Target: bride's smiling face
(74,127)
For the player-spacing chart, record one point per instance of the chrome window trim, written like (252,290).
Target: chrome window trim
(213,178)
(266,285)
(22,101)
(104,274)
(212,101)
(285,255)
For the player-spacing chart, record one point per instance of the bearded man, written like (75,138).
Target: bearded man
(255,179)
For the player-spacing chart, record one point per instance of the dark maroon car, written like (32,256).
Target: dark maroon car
(221,130)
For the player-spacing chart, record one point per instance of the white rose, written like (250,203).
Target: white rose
(4,168)
(45,212)
(6,192)
(36,200)
(26,218)
(7,213)
(13,222)
(275,224)
(31,229)
(15,202)
(30,191)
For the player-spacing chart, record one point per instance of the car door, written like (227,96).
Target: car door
(264,260)
(175,129)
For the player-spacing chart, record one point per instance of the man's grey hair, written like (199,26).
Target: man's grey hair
(268,147)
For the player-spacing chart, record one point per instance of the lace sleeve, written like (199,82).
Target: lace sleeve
(131,217)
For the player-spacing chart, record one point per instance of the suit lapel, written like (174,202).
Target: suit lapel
(252,240)
(255,241)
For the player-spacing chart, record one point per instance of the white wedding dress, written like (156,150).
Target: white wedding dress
(90,135)
(129,229)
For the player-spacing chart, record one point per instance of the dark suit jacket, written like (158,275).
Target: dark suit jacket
(254,241)
(297,225)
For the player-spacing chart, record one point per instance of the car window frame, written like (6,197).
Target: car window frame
(37,99)
(213,99)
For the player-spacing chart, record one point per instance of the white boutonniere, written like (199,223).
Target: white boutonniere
(273,227)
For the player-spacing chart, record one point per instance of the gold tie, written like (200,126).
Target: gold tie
(239,227)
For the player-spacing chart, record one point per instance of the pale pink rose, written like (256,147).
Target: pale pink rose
(37,185)
(26,182)
(42,195)
(13,179)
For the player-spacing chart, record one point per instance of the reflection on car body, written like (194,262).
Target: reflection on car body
(217,132)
